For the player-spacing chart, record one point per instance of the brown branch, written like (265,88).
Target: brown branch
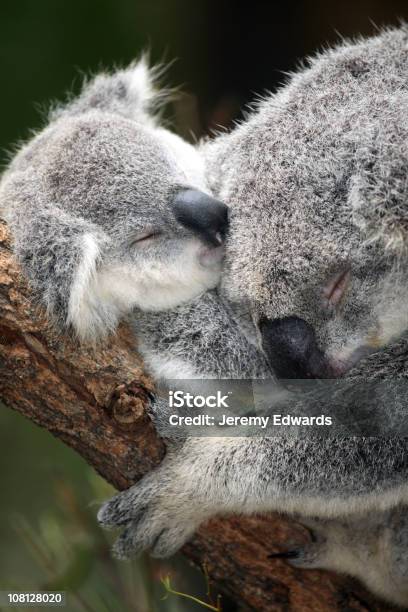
(95,402)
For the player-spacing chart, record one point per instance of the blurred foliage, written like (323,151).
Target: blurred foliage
(211,604)
(50,540)
(225,51)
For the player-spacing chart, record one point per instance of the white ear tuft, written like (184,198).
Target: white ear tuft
(140,84)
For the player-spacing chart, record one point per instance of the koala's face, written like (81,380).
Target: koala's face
(330,301)
(110,211)
(143,187)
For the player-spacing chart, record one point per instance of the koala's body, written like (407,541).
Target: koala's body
(105,216)
(97,206)
(317,255)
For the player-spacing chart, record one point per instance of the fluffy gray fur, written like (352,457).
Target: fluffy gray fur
(316,182)
(88,201)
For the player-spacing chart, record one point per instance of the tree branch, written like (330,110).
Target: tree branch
(95,400)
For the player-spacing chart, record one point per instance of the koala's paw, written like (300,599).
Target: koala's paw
(153,519)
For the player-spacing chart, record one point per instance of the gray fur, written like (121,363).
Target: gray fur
(205,324)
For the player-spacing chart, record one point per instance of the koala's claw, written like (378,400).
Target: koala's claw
(286,554)
(308,555)
(133,541)
(305,557)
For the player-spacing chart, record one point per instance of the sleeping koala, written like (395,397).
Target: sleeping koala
(110,211)
(106,216)
(314,287)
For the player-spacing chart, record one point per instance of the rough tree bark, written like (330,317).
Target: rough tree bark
(94,400)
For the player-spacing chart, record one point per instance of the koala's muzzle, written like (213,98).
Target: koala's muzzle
(291,348)
(202,214)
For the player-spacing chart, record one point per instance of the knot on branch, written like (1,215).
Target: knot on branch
(128,404)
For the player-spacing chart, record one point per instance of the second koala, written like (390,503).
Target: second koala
(316,257)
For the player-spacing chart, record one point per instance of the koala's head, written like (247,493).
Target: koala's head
(317,181)
(110,211)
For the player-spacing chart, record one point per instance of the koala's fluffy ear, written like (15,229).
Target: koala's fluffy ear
(61,255)
(379,195)
(130,92)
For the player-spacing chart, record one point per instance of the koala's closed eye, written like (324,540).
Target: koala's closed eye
(145,238)
(335,289)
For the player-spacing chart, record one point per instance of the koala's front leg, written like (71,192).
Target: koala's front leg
(197,480)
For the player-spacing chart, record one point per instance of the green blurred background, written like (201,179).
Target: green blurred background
(225,52)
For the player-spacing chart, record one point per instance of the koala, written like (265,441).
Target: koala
(109,210)
(314,286)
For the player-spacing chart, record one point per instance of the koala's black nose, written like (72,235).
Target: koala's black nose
(202,214)
(291,349)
